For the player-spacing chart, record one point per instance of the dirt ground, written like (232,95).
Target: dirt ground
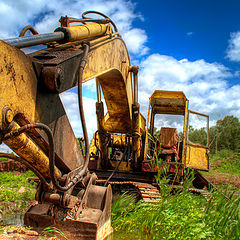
(222,178)
(227,179)
(20,233)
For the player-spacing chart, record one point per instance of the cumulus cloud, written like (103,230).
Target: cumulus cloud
(43,15)
(204,84)
(233,51)
(70,101)
(135,40)
(190,33)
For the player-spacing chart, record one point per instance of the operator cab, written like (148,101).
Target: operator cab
(171,138)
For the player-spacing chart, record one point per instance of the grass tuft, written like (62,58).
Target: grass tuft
(180,216)
(11,199)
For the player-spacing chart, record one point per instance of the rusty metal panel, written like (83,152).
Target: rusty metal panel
(112,69)
(185,127)
(50,111)
(18,82)
(168,94)
(168,137)
(92,223)
(142,123)
(115,94)
(197,157)
(109,62)
(168,102)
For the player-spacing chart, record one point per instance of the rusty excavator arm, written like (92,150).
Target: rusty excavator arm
(35,126)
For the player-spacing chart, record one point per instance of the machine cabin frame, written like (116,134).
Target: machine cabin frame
(194,156)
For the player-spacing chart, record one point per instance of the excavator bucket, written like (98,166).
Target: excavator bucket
(89,222)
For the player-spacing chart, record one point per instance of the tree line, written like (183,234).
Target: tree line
(224,135)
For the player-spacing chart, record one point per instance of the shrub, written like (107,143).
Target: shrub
(224,153)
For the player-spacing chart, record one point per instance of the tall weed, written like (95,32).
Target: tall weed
(182,216)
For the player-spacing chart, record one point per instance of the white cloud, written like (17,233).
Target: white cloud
(135,40)
(17,14)
(70,101)
(90,85)
(205,84)
(233,51)
(190,33)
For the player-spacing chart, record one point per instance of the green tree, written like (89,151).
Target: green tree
(198,136)
(228,134)
(212,139)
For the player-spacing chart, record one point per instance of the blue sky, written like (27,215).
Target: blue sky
(185,45)
(191,29)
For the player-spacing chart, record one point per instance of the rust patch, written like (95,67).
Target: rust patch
(11,71)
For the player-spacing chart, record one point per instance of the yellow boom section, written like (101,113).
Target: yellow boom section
(22,90)
(109,62)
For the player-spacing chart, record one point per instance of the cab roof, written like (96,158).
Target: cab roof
(168,102)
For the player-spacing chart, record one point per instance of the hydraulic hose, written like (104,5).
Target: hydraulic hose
(81,111)
(95,20)
(48,132)
(28,28)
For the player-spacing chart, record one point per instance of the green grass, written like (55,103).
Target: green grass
(232,166)
(51,232)
(10,198)
(180,216)
(4,159)
(230,163)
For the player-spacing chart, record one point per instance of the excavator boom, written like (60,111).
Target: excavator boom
(35,126)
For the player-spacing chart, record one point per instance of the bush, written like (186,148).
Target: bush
(224,153)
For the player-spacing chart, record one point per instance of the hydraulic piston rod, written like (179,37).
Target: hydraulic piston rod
(61,35)
(22,42)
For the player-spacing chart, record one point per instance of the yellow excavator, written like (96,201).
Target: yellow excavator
(75,192)
(130,160)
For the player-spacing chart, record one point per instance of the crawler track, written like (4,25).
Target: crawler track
(145,191)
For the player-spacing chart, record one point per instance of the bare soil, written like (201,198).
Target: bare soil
(222,178)
(21,233)
(225,180)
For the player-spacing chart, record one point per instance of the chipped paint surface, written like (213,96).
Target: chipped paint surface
(18,82)
(196,157)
